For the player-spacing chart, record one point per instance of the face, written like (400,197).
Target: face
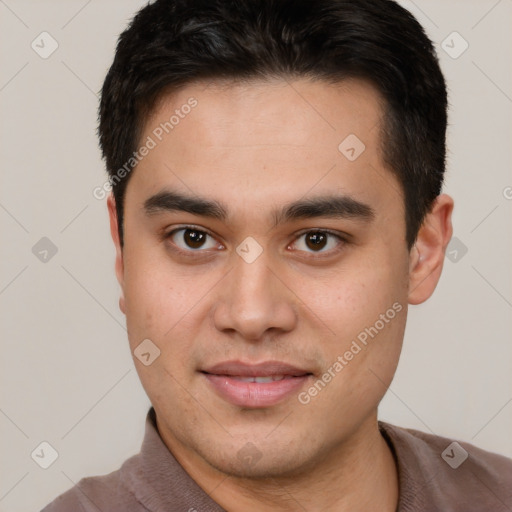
(260,241)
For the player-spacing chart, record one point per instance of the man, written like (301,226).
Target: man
(276,171)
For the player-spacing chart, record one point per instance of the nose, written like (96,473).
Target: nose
(253,301)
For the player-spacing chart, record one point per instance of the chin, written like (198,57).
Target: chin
(260,470)
(259,460)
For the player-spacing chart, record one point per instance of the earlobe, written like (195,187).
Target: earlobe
(427,255)
(119,263)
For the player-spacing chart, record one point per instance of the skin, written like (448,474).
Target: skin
(256,148)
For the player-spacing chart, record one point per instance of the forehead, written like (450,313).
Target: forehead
(295,111)
(272,139)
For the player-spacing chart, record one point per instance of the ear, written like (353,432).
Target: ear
(119,265)
(427,255)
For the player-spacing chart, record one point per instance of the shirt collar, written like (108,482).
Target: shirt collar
(159,482)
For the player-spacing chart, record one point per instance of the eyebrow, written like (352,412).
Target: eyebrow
(167,201)
(334,206)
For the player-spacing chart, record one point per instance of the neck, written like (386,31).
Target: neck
(358,475)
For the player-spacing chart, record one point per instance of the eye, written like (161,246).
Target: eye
(192,239)
(316,241)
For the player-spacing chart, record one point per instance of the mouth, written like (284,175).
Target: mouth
(261,380)
(255,385)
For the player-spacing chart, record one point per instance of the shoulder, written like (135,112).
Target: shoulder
(95,493)
(65,502)
(452,472)
(455,453)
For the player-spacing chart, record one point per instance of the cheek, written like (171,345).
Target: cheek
(364,309)
(362,364)
(163,302)
(348,301)
(149,288)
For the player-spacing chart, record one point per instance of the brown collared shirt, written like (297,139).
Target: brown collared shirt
(435,475)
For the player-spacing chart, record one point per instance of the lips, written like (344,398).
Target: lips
(265,369)
(255,385)
(262,380)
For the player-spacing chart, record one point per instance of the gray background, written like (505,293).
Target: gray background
(67,377)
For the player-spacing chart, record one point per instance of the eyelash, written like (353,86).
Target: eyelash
(198,253)
(342,240)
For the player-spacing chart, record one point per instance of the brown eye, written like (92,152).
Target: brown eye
(316,240)
(193,238)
